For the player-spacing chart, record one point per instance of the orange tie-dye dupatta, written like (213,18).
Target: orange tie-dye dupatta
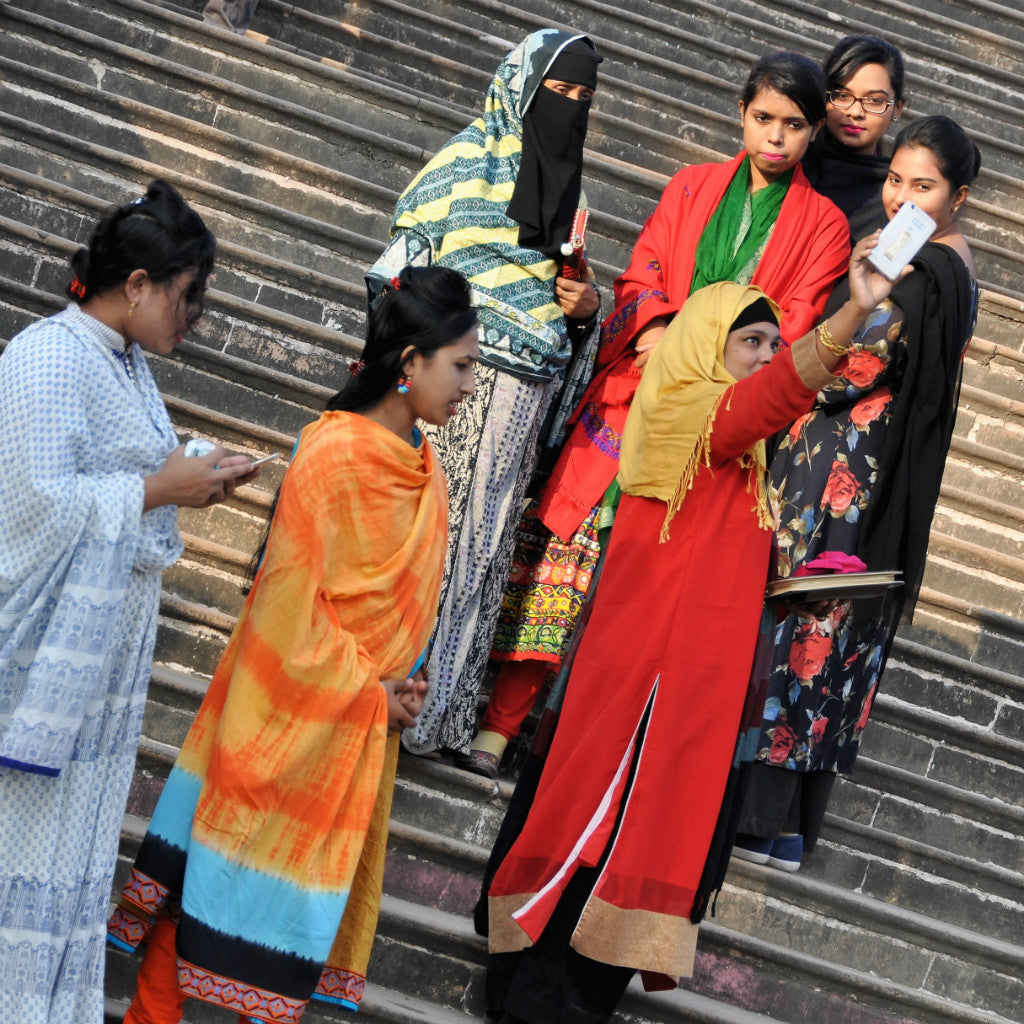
(268,806)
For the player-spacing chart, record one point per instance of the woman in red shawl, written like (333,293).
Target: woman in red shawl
(754,219)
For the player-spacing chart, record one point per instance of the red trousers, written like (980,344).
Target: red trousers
(158,1000)
(514,693)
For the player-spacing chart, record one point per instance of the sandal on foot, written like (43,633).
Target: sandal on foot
(479,762)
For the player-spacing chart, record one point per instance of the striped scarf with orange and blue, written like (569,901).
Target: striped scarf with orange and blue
(264,818)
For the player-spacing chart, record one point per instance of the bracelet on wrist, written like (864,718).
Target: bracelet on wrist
(827,342)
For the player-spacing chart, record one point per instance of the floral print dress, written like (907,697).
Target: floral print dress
(825,672)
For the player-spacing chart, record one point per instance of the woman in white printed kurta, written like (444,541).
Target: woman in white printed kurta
(90,474)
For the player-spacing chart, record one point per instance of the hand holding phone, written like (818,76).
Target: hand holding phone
(900,240)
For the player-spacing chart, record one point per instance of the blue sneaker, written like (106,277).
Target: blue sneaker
(786,853)
(752,848)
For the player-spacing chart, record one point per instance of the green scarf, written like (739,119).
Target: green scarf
(738,227)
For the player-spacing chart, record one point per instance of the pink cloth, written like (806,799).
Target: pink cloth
(831,561)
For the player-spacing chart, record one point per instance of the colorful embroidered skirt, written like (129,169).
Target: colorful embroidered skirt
(545,591)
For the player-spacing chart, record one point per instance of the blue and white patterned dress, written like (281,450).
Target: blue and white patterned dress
(80,567)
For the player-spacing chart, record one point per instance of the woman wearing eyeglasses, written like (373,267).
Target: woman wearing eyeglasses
(865,95)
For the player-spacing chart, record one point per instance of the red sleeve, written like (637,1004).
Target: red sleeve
(759,406)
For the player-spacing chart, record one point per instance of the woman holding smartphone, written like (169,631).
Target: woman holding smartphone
(860,474)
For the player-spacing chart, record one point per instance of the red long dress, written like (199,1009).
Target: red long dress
(673,631)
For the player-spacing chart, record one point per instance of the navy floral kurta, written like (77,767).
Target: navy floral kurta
(825,673)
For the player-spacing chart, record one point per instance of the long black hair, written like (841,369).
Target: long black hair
(159,233)
(426,308)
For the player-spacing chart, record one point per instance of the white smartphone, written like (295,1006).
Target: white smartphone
(901,239)
(266,458)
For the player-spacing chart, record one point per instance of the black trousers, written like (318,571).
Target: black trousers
(549,981)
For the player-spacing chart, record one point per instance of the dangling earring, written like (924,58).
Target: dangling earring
(403,384)
(131,308)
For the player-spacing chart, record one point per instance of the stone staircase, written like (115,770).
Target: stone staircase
(294,143)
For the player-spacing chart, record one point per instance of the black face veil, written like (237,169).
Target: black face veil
(547,190)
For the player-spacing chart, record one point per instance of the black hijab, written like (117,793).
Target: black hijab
(547,190)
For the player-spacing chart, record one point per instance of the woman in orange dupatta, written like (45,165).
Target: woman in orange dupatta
(270,831)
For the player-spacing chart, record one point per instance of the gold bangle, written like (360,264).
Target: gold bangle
(827,342)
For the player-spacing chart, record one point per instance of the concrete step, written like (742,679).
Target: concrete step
(435,953)
(957,973)
(958,567)
(952,624)
(992,393)
(258,116)
(978,694)
(246,343)
(988,34)
(993,247)
(981,520)
(938,814)
(956,888)
(168,140)
(999,317)
(933,745)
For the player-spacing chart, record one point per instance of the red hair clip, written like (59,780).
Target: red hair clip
(395,283)
(356,367)
(77,288)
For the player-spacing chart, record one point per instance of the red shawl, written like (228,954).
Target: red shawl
(806,253)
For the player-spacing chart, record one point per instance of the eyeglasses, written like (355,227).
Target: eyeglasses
(843,100)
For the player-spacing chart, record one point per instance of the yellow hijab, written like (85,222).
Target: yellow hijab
(668,431)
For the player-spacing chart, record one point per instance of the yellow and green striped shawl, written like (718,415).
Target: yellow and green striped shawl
(453,214)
